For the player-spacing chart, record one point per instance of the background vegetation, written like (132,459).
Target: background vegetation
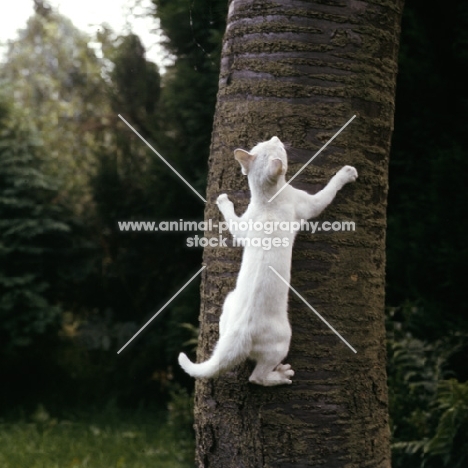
(73,289)
(426,241)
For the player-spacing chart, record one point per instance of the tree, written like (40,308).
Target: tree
(300,71)
(57,78)
(33,233)
(194,31)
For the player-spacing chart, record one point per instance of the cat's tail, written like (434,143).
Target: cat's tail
(230,350)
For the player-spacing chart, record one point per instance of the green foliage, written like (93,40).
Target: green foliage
(55,77)
(107,438)
(180,407)
(450,442)
(194,31)
(426,240)
(174,113)
(32,232)
(429,412)
(107,282)
(106,174)
(134,278)
(136,83)
(194,332)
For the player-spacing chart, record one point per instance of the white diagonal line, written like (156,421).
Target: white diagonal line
(161,309)
(312,158)
(312,309)
(149,146)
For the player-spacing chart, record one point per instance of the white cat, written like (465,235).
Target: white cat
(254,322)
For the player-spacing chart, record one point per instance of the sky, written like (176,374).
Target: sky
(87,15)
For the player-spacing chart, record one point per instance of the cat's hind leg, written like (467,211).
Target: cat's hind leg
(227,313)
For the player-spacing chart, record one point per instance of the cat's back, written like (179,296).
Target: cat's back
(281,210)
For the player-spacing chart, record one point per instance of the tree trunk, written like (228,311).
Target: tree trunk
(299,70)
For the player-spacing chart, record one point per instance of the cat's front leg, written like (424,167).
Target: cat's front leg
(227,210)
(309,206)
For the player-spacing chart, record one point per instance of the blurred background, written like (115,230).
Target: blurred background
(74,290)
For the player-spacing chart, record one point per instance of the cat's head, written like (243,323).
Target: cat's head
(265,162)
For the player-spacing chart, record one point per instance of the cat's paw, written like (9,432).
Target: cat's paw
(222,199)
(347,174)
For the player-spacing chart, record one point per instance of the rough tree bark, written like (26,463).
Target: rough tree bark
(299,70)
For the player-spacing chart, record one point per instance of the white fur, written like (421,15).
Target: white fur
(254,323)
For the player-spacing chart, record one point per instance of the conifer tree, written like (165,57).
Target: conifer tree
(31,234)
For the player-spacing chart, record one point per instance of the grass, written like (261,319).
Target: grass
(108,440)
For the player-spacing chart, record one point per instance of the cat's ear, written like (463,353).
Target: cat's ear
(275,168)
(245,159)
